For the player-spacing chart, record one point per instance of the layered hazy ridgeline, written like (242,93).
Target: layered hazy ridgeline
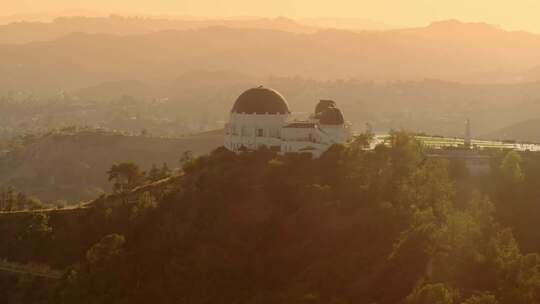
(118,184)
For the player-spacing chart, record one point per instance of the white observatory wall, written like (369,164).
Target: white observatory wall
(339,134)
(242,130)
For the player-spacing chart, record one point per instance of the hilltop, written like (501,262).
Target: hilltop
(379,226)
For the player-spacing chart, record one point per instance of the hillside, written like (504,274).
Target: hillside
(479,53)
(382,226)
(73,166)
(528,130)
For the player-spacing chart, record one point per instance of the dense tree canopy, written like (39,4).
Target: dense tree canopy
(12,200)
(387,225)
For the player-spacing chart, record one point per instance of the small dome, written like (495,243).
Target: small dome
(323,105)
(331,116)
(261,100)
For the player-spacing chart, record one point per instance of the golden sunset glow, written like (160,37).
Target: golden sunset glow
(515,15)
(270,151)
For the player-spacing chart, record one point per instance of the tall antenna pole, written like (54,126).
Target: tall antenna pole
(468,140)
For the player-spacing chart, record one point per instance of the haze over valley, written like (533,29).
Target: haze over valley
(86,50)
(287,152)
(170,78)
(108,69)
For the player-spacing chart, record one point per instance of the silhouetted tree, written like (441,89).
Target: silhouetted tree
(126,176)
(154,174)
(511,167)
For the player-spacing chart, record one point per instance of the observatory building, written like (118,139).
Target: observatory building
(261,117)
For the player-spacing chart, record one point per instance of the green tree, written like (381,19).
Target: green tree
(406,153)
(186,157)
(362,141)
(145,203)
(154,174)
(511,167)
(109,248)
(38,227)
(432,294)
(165,171)
(7,199)
(126,176)
(484,298)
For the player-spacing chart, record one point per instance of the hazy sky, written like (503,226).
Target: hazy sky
(515,14)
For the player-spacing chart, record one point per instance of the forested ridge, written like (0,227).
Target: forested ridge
(387,225)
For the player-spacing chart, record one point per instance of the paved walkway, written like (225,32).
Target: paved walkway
(50,210)
(32,270)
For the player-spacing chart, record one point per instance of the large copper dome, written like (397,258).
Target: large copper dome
(261,100)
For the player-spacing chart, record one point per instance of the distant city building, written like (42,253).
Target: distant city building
(261,117)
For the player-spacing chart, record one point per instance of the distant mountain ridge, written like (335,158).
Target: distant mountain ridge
(347,23)
(449,50)
(31,31)
(528,131)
